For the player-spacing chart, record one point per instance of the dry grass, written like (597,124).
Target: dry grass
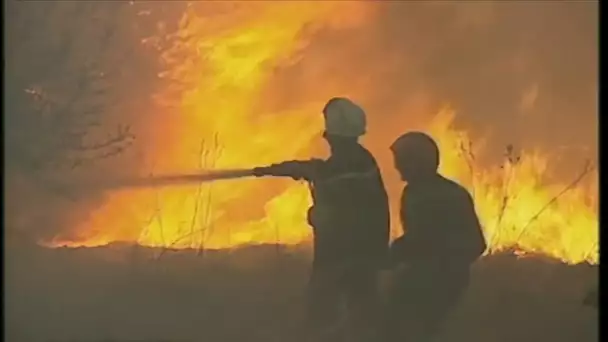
(118,293)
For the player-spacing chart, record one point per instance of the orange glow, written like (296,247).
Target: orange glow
(218,74)
(516,208)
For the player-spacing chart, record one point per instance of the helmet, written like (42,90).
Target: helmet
(344,118)
(417,149)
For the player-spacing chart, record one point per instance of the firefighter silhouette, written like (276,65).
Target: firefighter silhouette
(443,238)
(350,221)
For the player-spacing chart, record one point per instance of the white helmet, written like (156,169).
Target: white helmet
(344,118)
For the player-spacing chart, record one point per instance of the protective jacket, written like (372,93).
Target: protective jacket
(350,212)
(441,225)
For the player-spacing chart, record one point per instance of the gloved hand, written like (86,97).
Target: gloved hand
(260,171)
(293,169)
(277,170)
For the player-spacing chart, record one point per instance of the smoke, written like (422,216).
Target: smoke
(508,68)
(522,73)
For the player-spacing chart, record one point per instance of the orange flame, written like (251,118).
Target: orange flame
(219,72)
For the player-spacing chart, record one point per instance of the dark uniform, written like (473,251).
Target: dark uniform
(351,223)
(442,240)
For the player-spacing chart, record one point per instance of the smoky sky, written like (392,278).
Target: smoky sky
(522,73)
(516,72)
(486,57)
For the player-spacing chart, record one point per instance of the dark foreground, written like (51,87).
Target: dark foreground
(122,293)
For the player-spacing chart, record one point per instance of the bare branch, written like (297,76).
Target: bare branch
(586,170)
(59,94)
(511,160)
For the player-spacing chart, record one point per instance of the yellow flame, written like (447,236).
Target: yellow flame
(515,206)
(218,72)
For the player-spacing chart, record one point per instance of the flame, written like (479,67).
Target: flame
(219,71)
(516,206)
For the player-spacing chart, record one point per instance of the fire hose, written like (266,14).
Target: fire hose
(182,179)
(209,176)
(74,190)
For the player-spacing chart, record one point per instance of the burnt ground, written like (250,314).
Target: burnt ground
(122,293)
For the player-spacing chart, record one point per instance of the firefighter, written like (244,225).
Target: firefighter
(443,238)
(349,218)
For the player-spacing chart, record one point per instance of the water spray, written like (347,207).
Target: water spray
(178,179)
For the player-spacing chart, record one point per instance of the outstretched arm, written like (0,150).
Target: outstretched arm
(296,169)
